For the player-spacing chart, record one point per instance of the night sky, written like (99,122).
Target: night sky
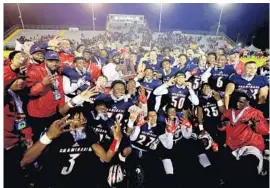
(245,19)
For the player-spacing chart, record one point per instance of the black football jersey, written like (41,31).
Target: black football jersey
(70,164)
(211,113)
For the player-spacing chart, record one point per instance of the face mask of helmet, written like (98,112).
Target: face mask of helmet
(206,140)
(116,175)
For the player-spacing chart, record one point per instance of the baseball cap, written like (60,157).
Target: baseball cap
(115,54)
(180,73)
(87,50)
(51,55)
(231,52)
(35,48)
(43,45)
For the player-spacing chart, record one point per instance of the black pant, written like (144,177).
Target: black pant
(152,167)
(239,173)
(13,173)
(187,168)
(40,124)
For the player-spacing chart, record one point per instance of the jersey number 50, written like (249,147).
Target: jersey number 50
(178,103)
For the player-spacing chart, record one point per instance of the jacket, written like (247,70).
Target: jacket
(241,134)
(42,103)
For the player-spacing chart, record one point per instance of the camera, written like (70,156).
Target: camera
(20,124)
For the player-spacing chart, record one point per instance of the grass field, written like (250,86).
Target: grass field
(258,61)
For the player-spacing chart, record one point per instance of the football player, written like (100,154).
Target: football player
(69,153)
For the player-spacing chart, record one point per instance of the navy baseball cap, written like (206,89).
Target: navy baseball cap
(88,50)
(51,55)
(231,52)
(115,54)
(234,51)
(180,73)
(43,45)
(35,48)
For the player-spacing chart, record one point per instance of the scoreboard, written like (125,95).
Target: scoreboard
(125,18)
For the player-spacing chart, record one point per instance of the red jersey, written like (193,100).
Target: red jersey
(94,70)
(66,59)
(241,134)
(42,102)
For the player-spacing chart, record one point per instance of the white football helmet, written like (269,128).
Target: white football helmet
(116,175)
(206,139)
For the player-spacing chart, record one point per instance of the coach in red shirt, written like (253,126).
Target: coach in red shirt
(242,157)
(47,101)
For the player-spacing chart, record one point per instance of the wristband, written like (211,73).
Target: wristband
(70,104)
(115,145)
(220,103)
(143,99)
(45,139)
(130,124)
(201,127)
(77,100)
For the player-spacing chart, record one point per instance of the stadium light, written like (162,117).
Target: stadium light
(239,44)
(160,15)
(220,16)
(93,16)
(20,15)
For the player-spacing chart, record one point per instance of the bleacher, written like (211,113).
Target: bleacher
(78,35)
(125,30)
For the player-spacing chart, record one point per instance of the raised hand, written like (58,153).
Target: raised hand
(185,122)
(23,69)
(189,85)
(171,82)
(140,120)
(133,114)
(55,41)
(88,93)
(141,75)
(252,123)
(170,126)
(116,129)
(78,120)
(57,128)
(49,79)
(142,97)
(17,85)
(216,95)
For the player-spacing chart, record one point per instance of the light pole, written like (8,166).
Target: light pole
(253,37)
(220,16)
(237,37)
(160,16)
(246,41)
(20,15)
(93,17)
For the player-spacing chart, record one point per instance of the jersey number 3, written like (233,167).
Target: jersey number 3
(67,170)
